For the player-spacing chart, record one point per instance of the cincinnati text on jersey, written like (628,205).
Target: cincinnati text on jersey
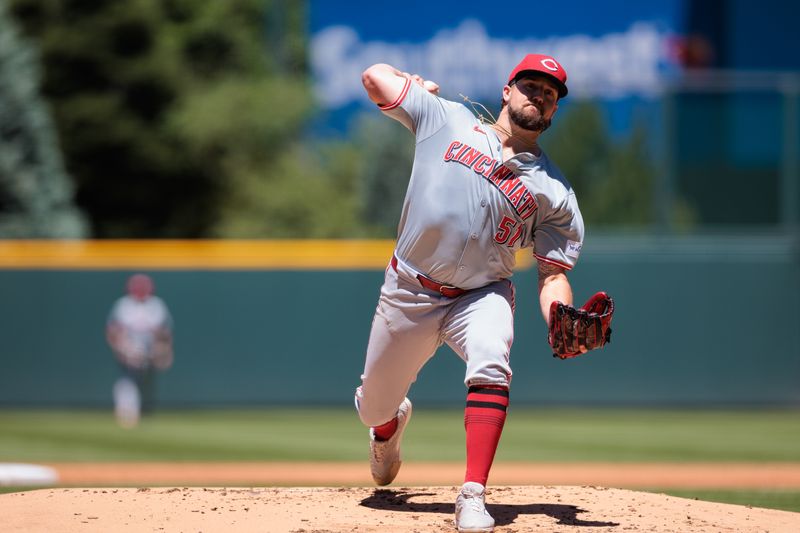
(496,173)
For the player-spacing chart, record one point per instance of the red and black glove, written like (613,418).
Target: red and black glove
(573,332)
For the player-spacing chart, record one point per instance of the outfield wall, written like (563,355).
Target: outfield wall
(702,320)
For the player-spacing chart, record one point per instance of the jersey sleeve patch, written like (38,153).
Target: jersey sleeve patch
(573,249)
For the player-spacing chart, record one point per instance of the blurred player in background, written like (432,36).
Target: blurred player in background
(139,331)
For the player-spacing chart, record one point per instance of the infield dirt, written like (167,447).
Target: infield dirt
(358,510)
(580,502)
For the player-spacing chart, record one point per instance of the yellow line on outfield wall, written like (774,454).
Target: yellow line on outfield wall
(202,254)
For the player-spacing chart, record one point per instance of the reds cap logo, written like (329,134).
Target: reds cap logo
(550,64)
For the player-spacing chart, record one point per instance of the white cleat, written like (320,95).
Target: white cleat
(384,456)
(471,514)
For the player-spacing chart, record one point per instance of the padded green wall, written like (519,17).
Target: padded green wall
(700,321)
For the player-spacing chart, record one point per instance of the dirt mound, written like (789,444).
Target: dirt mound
(398,510)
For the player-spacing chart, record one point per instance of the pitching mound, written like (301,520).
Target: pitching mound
(400,510)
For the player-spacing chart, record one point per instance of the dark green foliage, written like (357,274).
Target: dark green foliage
(167,110)
(387,155)
(35,191)
(613,180)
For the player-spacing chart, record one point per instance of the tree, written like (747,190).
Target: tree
(35,191)
(387,155)
(169,109)
(612,179)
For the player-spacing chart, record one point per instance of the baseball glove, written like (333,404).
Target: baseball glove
(573,332)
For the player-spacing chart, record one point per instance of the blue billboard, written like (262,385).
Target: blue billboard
(610,50)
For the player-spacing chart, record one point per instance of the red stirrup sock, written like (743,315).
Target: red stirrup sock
(484,418)
(385,431)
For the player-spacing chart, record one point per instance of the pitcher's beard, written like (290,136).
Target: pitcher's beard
(528,123)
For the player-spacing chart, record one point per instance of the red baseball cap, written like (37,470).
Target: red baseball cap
(140,286)
(545,65)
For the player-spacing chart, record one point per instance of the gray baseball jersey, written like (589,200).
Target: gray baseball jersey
(465,215)
(467,212)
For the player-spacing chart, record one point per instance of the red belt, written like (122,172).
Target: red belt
(448,291)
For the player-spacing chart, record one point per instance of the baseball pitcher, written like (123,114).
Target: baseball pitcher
(479,192)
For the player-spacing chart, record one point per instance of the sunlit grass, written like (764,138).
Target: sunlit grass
(434,435)
(300,434)
(784,500)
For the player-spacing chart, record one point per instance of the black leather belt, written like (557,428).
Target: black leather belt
(447,291)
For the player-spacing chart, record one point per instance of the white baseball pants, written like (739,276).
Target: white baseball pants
(411,322)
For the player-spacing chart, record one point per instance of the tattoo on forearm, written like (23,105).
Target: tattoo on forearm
(546,270)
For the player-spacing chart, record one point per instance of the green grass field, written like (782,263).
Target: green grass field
(295,434)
